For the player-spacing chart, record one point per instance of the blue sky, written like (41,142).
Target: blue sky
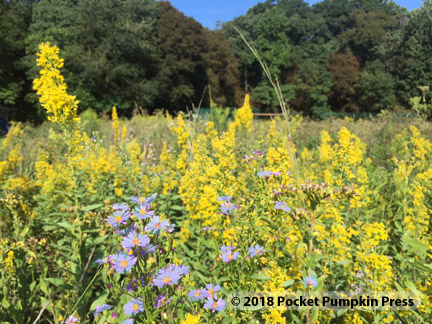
(207,12)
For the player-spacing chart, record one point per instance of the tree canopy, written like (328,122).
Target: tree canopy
(333,56)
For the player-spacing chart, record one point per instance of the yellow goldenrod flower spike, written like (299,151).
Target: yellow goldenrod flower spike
(51,88)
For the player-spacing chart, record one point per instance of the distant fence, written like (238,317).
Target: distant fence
(205,112)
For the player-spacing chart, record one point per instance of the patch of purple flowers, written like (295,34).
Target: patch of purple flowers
(118,218)
(169,275)
(214,305)
(256,250)
(156,225)
(134,240)
(228,254)
(280,205)
(267,174)
(101,308)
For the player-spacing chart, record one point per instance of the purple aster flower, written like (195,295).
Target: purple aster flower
(71,320)
(147,250)
(224,198)
(101,261)
(118,217)
(156,225)
(170,228)
(134,239)
(167,276)
(267,174)
(125,231)
(282,205)
(124,263)
(310,281)
(256,250)
(228,254)
(211,291)
(227,249)
(110,260)
(215,305)
(128,321)
(122,207)
(161,300)
(131,286)
(134,307)
(196,294)
(208,228)
(258,153)
(182,269)
(100,309)
(227,207)
(264,174)
(143,200)
(143,211)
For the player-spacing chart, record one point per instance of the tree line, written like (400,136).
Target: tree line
(333,56)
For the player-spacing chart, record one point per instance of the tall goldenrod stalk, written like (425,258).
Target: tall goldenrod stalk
(62,108)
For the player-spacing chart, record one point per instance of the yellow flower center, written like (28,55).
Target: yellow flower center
(215,305)
(118,219)
(124,264)
(143,211)
(166,279)
(211,291)
(230,256)
(136,241)
(135,307)
(157,225)
(197,293)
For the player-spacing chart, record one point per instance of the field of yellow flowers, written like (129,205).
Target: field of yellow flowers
(159,219)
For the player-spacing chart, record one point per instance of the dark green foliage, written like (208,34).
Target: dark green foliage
(14,21)
(190,59)
(324,53)
(346,74)
(376,88)
(337,55)
(415,67)
(181,76)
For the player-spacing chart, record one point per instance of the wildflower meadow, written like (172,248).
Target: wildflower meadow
(159,219)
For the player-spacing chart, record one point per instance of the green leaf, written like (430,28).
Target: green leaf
(423,267)
(312,261)
(410,285)
(415,244)
(101,300)
(176,208)
(260,276)
(65,225)
(228,320)
(92,207)
(58,283)
(99,240)
(401,290)
(288,283)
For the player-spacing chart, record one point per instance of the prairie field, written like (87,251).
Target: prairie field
(160,219)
